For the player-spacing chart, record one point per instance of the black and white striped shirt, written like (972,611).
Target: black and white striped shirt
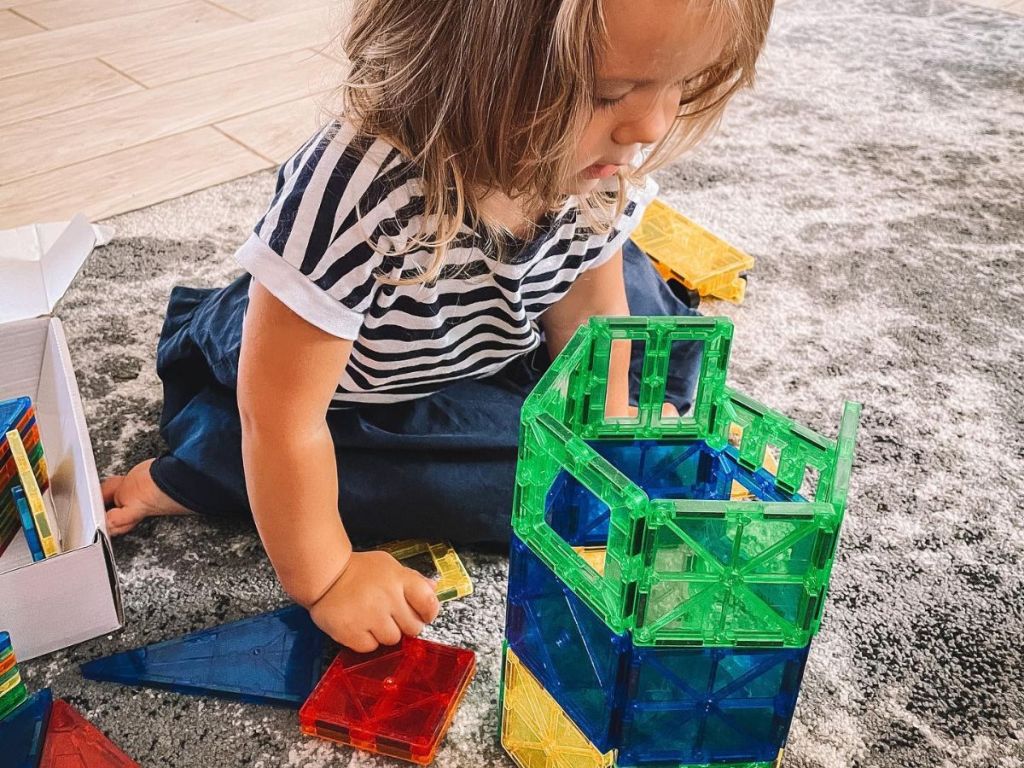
(341,194)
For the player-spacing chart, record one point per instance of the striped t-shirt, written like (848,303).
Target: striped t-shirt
(341,194)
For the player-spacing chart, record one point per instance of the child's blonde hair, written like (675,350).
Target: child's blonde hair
(493,94)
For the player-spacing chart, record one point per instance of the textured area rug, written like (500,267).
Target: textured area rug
(876,174)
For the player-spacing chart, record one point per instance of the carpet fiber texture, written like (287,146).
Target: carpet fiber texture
(876,174)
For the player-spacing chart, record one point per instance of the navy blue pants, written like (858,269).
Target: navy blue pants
(440,467)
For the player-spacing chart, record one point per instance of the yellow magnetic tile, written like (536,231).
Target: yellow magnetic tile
(691,254)
(770,464)
(452,579)
(11,684)
(536,732)
(593,556)
(35,498)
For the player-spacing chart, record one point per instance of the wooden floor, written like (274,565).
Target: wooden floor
(111,105)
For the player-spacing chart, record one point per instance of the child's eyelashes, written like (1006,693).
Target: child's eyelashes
(687,87)
(606,102)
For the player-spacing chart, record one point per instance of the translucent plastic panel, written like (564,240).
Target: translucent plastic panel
(535,731)
(565,645)
(735,573)
(712,705)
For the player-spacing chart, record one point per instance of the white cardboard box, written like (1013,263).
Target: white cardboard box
(73,596)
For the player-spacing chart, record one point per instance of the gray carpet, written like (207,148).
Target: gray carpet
(876,173)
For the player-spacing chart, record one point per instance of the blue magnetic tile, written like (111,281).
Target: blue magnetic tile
(658,706)
(28,525)
(23,731)
(668,469)
(709,705)
(11,412)
(274,658)
(575,514)
(663,470)
(689,469)
(5,641)
(566,646)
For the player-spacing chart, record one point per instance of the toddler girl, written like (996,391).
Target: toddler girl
(423,258)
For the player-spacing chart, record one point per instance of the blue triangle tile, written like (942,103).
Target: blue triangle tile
(274,658)
(23,731)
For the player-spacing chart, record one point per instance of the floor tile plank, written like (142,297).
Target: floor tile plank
(158,64)
(13,26)
(54,14)
(276,133)
(44,91)
(129,179)
(42,144)
(86,41)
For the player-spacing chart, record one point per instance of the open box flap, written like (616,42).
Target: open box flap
(39,261)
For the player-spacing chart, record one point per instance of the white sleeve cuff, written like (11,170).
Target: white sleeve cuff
(296,291)
(625,225)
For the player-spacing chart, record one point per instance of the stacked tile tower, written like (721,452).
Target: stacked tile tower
(664,585)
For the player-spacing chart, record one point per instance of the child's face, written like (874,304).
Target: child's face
(654,46)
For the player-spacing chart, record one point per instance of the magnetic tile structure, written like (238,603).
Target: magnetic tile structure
(437,560)
(273,658)
(683,250)
(667,573)
(17,417)
(12,689)
(398,700)
(72,741)
(23,731)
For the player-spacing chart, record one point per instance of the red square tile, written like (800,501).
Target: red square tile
(397,701)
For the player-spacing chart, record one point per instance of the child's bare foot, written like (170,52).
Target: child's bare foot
(132,498)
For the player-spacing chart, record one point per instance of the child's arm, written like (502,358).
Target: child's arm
(288,372)
(598,291)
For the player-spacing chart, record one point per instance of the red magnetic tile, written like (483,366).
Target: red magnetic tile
(30,438)
(397,701)
(74,742)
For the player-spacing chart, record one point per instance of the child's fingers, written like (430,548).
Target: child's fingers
(360,642)
(387,632)
(121,520)
(109,488)
(419,593)
(408,621)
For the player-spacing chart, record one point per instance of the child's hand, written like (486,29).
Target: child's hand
(374,602)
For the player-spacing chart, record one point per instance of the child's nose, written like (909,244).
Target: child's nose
(644,127)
